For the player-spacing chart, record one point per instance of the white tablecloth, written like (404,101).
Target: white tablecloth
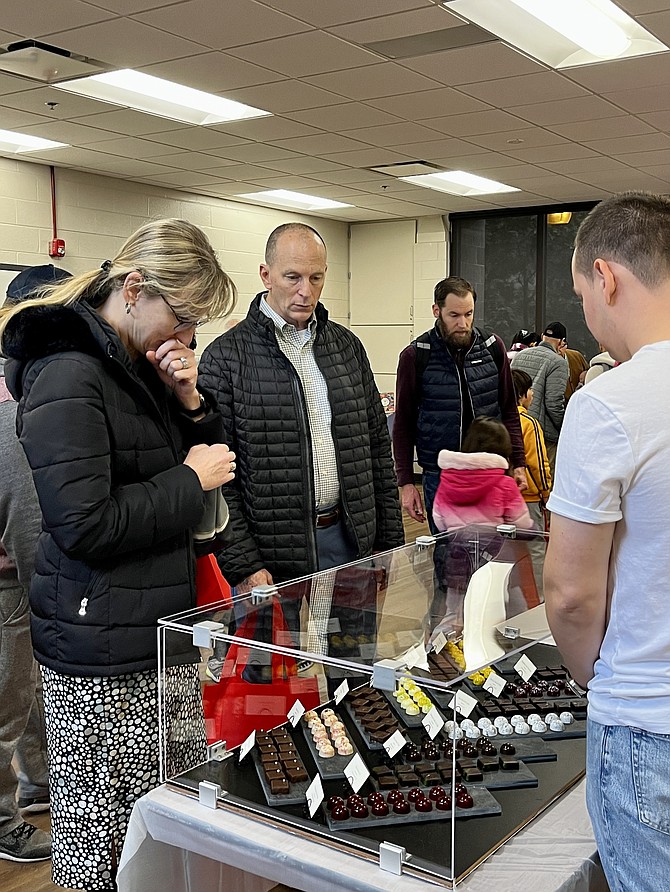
(176,845)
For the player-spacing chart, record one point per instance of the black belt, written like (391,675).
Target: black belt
(327,518)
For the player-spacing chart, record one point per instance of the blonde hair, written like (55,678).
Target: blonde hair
(175,259)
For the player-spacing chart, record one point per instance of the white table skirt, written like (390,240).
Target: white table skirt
(176,845)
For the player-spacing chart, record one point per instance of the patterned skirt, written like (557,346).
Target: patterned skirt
(103,748)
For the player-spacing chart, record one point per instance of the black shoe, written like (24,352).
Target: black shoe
(34,804)
(25,843)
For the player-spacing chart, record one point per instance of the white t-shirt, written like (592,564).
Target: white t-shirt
(613,465)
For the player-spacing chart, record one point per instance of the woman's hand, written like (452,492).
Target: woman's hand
(177,367)
(214,465)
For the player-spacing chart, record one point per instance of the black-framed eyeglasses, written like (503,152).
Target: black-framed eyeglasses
(182,323)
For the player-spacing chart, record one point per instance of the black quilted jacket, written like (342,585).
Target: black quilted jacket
(265,417)
(106,446)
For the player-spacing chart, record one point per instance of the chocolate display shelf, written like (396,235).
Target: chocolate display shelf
(410,721)
(295,795)
(332,768)
(484,804)
(372,737)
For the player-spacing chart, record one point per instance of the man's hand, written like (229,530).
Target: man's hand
(260,577)
(410,500)
(520,478)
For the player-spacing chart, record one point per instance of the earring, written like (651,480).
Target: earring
(128,309)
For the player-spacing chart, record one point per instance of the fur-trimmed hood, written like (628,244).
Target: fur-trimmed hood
(474,461)
(41,331)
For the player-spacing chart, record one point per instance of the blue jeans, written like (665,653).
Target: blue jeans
(628,798)
(430,481)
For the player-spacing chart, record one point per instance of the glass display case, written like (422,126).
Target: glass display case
(410,707)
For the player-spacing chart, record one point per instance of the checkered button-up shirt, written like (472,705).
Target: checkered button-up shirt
(298,347)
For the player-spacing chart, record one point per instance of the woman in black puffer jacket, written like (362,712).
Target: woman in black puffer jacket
(123,446)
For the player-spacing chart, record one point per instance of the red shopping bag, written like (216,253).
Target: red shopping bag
(210,586)
(234,707)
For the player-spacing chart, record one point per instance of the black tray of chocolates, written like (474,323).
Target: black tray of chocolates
(411,721)
(395,807)
(372,717)
(334,765)
(281,771)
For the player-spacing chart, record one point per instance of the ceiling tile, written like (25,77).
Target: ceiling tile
(210,23)
(393,134)
(602,128)
(542,154)
(323,14)
(303,164)
(587,166)
(542,87)
(39,19)
(15,119)
(197,139)
(658,23)
(284,96)
(527,138)
(401,24)
(322,144)
(256,153)
(68,132)
(368,157)
(346,116)
(563,111)
(660,120)
(489,121)
(467,65)
(646,159)
(68,105)
(297,56)
(124,43)
(438,148)
(193,161)
(266,129)
(620,145)
(128,147)
(606,77)
(125,121)
(646,99)
(213,72)
(11,84)
(373,81)
(184,178)
(638,7)
(426,104)
(661,171)
(633,179)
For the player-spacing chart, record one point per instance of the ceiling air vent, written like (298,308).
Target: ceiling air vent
(47,64)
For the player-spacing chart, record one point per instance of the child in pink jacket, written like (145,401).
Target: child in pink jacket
(475,485)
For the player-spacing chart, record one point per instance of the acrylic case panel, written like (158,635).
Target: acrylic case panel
(407,643)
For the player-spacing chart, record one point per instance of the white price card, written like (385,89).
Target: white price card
(341,691)
(334,626)
(433,723)
(356,773)
(394,744)
(463,703)
(314,795)
(295,713)
(525,667)
(416,656)
(247,745)
(494,684)
(439,643)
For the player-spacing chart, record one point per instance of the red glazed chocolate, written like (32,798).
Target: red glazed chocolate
(333,801)
(359,810)
(395,796)
(464,800)
(380,809)
(402,808)
(423,805)
(340,813)
(415,794)
(437,793)
(443,804)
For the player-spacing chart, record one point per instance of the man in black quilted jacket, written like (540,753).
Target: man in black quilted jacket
(315,486)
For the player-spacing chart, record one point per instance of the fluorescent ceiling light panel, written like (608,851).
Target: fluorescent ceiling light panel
(561,33)
(23,142)
(143,92)
(459,182)
(286,199)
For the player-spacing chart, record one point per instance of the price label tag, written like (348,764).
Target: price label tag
(494,684)
(394,744)
(247,745)
(463,703)
(416,656)
(341,691)
(439,642)
(356,773)
(314,795)
(334,626)
(296,712)
(525,667)
(433,723)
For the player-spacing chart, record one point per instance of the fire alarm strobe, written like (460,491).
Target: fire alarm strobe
(57,247)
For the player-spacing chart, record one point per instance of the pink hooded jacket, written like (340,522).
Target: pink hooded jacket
(474,488)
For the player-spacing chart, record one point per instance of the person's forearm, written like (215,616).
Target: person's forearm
(577,622)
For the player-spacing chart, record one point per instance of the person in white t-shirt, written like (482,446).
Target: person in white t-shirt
(607,569)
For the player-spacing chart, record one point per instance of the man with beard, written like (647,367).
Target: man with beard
(446,378)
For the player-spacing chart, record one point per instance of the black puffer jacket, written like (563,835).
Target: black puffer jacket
(265,417)
(105,445)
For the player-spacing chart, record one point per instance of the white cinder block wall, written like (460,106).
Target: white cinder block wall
(394,265)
